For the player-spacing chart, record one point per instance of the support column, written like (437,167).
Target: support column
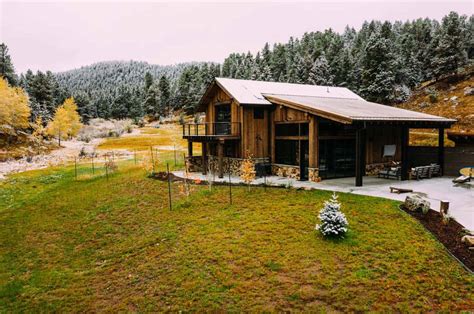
(441,149)
(313,143)
(204,158)
(220,158)
(190,148)
(360,156)
(405,137)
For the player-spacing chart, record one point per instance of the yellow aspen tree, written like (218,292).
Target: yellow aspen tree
(38,129)
(66,121)
(14,109)
(59,126)
(247,170)
(74,119)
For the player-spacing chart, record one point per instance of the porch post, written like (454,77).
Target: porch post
(190,148)
(220,158)
(204,158)
(313,142)
(404,152)
(441,149)
(360,156)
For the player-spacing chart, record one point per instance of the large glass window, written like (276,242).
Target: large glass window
(291,129)
(286,152)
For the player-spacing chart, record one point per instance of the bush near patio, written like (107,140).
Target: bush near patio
(113,245)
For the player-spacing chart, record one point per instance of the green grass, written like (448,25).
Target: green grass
(113,245)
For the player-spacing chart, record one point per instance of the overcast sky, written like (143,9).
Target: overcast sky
(59,36)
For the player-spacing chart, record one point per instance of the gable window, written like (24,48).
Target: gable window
(258,113)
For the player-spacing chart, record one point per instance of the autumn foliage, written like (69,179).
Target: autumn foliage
(66,122)
(14,109)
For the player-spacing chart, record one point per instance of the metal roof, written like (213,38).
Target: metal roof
(336,103)
(251,92)
(348,110)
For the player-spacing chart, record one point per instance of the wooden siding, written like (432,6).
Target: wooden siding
(285,114)
(255,133)
(379,136)
(218,98)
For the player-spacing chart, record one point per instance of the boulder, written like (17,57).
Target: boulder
(469,240)
(415,202)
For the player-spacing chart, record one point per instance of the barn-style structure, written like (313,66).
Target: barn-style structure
(306,132)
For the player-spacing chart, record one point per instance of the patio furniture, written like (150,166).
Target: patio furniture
(391,173)
(426,172)
(399,190)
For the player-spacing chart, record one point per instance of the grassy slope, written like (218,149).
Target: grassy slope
(100,244)
(443,106)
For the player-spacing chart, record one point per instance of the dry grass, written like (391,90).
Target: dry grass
(441,104)
(113,245)
(165,137)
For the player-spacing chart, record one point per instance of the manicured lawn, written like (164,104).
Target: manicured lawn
(110,245)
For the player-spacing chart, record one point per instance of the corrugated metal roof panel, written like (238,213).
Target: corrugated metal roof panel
(251,92)
(355,109)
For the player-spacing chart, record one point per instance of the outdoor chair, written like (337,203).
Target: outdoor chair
(391,173)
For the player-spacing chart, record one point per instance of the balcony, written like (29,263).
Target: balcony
(209,131)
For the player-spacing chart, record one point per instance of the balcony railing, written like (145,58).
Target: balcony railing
(214,129)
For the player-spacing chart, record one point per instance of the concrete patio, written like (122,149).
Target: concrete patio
(460,196)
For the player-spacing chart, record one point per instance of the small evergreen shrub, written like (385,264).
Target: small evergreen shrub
(333,221)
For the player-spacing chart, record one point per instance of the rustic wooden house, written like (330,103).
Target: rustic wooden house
(301,131)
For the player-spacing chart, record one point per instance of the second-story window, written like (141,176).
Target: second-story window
(258,113)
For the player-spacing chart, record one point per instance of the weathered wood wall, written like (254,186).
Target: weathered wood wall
(455,157)
(377,138)
(255,133)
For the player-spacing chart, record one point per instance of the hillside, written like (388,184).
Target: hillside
(105,77)
(451,97)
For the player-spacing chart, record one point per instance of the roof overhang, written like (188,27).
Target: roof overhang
(355,111)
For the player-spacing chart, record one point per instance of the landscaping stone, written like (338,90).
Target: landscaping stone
(415,202)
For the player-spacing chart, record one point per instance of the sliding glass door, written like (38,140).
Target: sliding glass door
(336,158)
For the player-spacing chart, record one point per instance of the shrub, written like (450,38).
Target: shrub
(333,221)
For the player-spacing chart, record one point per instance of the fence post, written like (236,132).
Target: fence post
(135,156)
(75,168)
(230,190)
(93,170)
(169,185)
(152,159)
(107,171)
(175,155)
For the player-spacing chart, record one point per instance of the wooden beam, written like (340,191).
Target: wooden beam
(321,113)
(360,156)
(441,149)
(190,149)
(313,142)
(220,158)
(204,158)
(405,137)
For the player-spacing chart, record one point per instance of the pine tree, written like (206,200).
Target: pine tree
(164,93)
(152,102)
(333,221)
(377,73)
(320,73)
(450,53)
(6,66)
(148,81)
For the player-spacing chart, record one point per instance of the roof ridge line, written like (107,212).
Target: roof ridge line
(361,99)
